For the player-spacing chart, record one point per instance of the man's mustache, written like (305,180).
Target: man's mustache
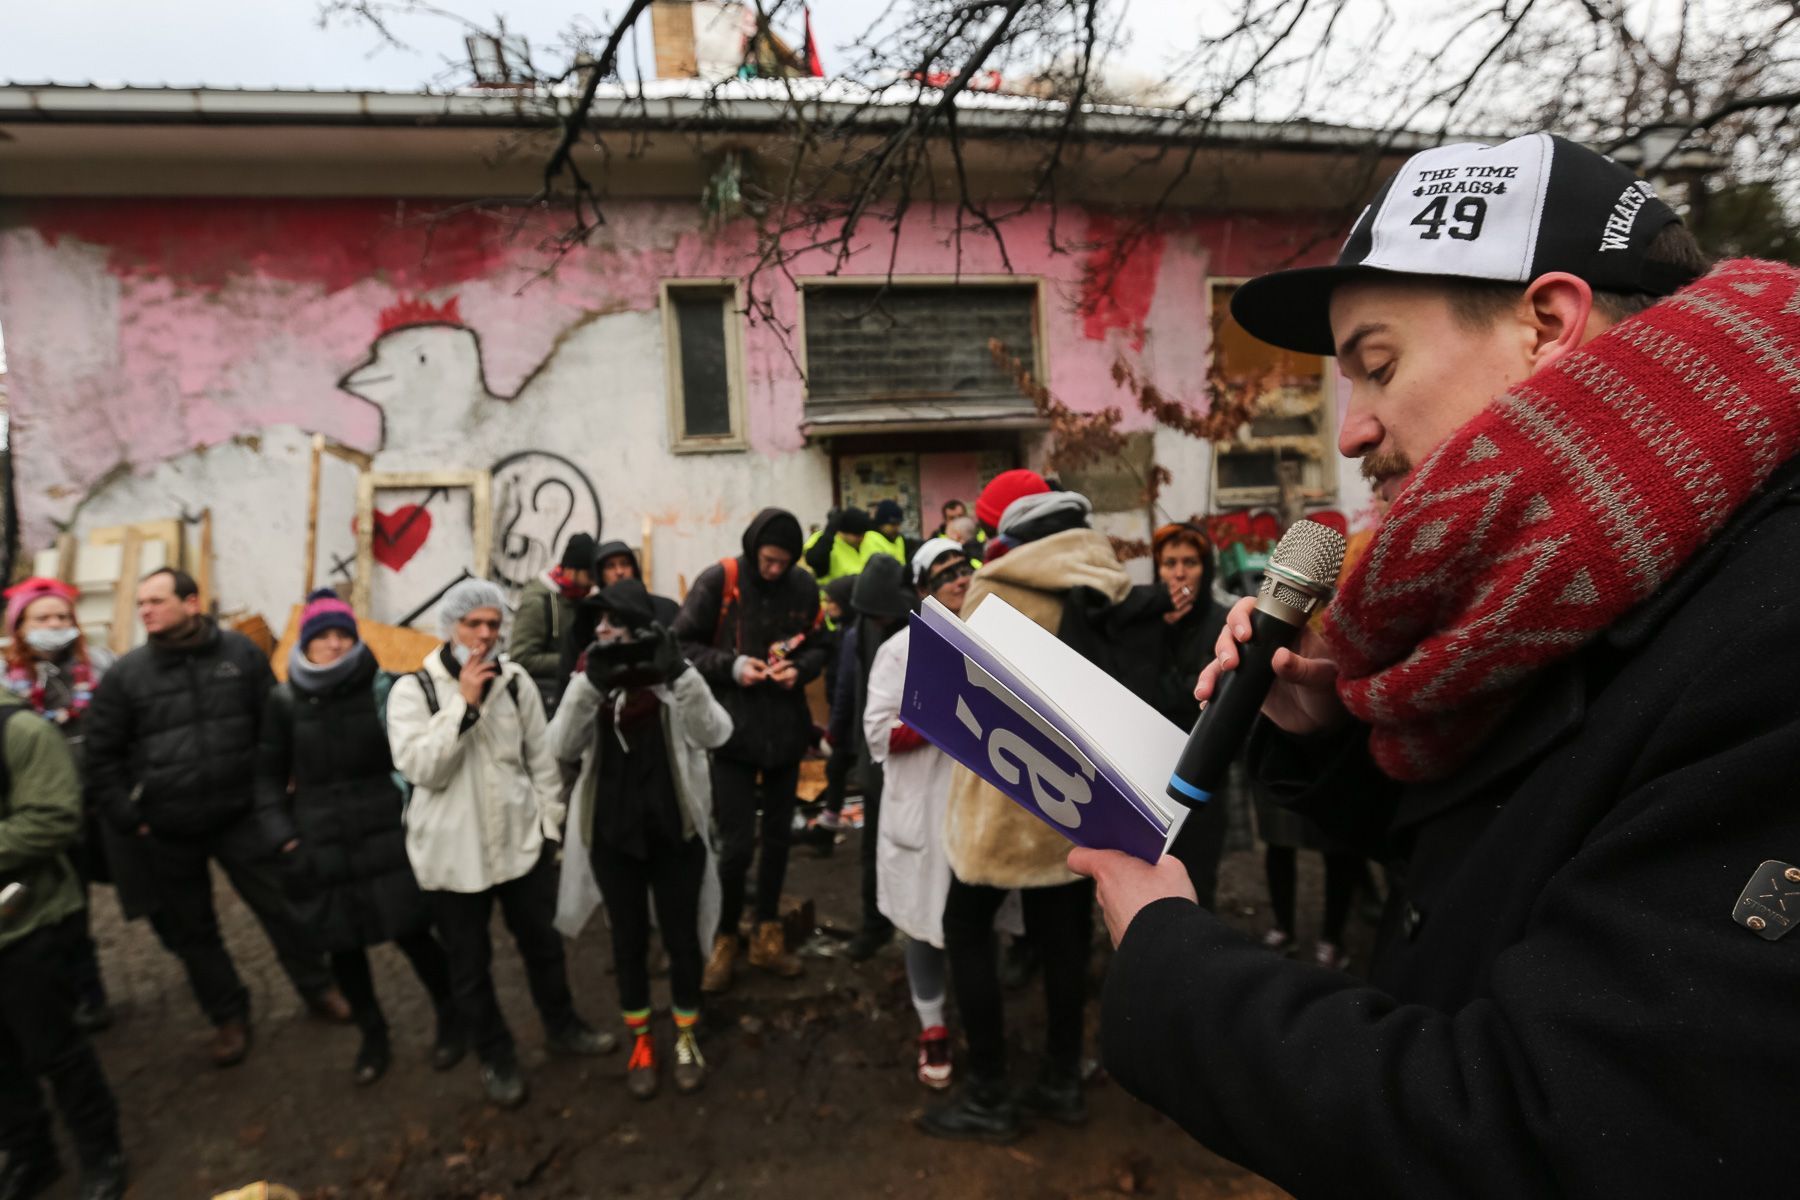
(1385,464)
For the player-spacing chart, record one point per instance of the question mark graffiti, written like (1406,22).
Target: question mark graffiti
(544,499)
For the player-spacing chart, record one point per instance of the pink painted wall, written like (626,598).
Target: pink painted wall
(138,331)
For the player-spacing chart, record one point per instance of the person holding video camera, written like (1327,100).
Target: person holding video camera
(640,721)
(750,626)
(467,730)
(40,904)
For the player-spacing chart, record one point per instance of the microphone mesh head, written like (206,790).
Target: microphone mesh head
(1310,551)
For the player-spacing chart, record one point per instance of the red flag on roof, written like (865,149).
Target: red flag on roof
(814,67)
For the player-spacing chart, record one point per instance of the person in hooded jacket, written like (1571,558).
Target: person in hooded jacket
(545,612)
(641,729)
(994,845)
(325,776)
(51,667)
(171,754)
(1156,642)
(750,626)
(468,731)
(912,872)
(615,561)
(883,598)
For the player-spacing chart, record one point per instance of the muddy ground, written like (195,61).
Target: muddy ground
(812,1091)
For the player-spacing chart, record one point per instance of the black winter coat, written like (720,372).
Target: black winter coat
(771,725)
(171,735)
(349,877)
(1158,661)
(1561,1003)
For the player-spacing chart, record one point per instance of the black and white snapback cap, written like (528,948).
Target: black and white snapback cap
(1507,213)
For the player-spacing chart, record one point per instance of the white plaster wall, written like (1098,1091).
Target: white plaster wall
(599,402)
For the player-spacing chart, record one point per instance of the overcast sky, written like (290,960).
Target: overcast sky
(280,43)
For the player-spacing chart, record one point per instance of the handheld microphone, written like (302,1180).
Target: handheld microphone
(1299,576)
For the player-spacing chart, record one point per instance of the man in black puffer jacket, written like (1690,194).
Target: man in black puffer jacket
(171,739)
(750,625)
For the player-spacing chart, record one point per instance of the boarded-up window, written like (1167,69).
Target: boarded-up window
(1292,422)
(916,342)
(700,322)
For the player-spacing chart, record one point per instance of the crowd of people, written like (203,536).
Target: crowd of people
(1548,706)
(589,744)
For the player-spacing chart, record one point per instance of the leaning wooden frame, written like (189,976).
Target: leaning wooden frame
(479,485)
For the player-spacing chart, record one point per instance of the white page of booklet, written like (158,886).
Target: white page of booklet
(1141,743)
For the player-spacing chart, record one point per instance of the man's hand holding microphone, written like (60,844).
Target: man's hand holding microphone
(1303,698)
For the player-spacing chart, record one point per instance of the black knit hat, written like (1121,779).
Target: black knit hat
(628,603)
(578,555)
(855,520)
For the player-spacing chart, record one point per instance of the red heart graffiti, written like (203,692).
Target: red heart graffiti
(399,534)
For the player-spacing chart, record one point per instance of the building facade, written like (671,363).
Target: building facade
(195,284)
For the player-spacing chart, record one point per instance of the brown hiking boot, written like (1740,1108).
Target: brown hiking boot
(768,950)
(718,968)
(329,1005)
(231,1042)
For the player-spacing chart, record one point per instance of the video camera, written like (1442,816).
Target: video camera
(627,662)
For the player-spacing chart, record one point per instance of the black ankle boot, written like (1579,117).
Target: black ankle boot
(983,1111)
(451,1043)
(372,1060)
(1058,1096)
(868,942)
(104,1179)
(27,1174)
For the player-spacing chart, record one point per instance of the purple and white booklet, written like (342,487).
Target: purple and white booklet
(1057,735)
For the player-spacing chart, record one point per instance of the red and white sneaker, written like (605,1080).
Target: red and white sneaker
(934,1058)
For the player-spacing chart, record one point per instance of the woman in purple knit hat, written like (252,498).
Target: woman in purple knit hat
(328,793)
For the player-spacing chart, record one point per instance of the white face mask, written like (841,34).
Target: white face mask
(49,641)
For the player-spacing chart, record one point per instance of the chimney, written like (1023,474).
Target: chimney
(672,32)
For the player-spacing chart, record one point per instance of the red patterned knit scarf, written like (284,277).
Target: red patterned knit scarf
(1563,505)
(29,681)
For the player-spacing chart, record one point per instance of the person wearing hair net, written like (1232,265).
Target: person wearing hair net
(467,730)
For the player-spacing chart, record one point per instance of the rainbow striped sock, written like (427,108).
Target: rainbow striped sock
(686,1018)
(638,1023)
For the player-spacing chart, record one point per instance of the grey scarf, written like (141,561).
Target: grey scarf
(315,680)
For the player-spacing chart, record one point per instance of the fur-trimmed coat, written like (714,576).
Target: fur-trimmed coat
(990,839)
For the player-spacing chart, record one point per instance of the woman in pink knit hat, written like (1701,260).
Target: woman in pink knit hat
(329,796)
(50,666)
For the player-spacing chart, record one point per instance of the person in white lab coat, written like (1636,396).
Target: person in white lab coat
(912,869)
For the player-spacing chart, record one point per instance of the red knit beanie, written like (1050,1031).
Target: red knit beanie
(1002,490)
(20,597)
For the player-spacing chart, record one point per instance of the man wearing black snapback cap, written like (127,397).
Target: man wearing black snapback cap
(1554,694)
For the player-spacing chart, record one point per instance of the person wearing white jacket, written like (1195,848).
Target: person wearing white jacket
(640,721)
(912,867)
(467,731)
